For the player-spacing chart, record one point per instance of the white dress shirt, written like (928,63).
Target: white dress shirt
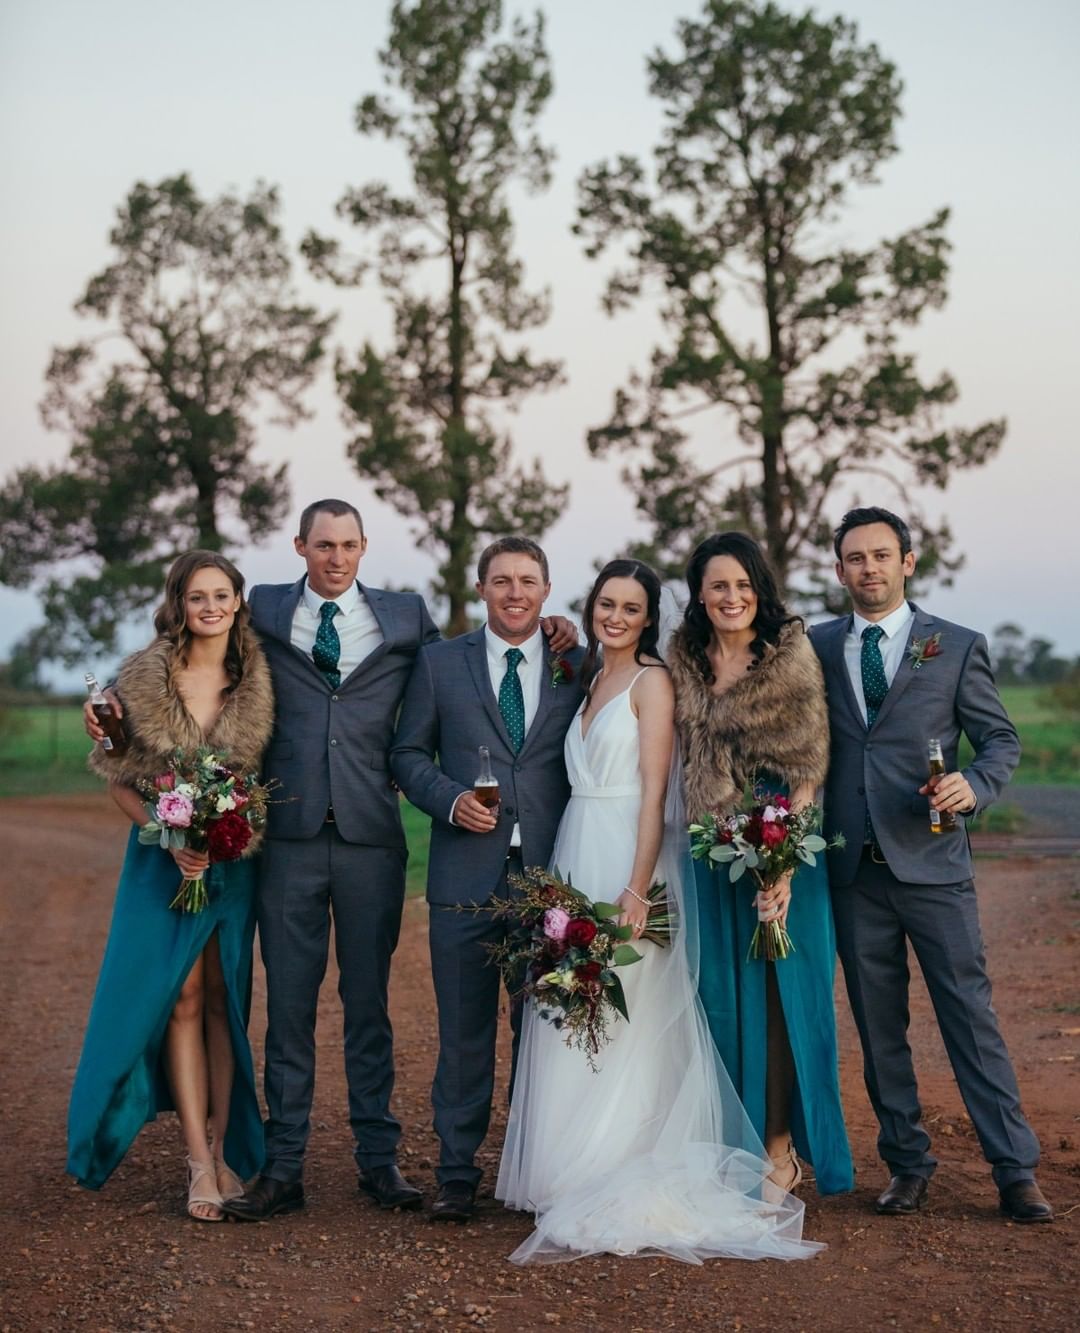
(892,644)
(530,673)
(355,622)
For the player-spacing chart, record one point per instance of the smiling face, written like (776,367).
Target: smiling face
(728,596)
(620,613)
(872,569)
(210,603)
(514,593)
(332,552)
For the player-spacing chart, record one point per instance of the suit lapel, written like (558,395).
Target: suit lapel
(544,707)
(385,618)
(476,657)
(283,627)
(837,664)
(920,627)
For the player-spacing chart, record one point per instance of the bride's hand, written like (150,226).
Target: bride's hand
(634,914)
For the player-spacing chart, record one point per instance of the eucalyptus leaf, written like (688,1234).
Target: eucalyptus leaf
(605,911)
(814,843)
(737,870)
(624,955)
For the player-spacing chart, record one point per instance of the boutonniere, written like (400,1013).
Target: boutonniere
(560,670)
(922,650)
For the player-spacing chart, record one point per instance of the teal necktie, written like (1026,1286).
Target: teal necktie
(875,687)
(874,683)
(326,651)
(512,700)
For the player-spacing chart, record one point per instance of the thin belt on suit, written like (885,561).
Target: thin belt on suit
(606,793)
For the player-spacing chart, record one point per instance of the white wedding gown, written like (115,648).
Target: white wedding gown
(637,1157)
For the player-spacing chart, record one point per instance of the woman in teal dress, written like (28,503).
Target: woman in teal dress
(750,709)
(168,1024)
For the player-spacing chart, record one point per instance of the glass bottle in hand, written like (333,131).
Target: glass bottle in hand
(941,821)
(115,742)
(486,786)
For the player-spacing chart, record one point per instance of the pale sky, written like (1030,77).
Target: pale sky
(94,96)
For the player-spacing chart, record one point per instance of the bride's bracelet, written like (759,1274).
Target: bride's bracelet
(644,901)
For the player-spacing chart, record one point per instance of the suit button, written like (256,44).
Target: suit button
(333,742)
(509,809)
(333,698)
(861,791)
(517,768)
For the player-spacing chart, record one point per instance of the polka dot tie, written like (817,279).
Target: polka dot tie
(875,687)
(512,700)
(326,651)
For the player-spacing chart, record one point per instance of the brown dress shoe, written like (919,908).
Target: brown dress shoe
(389,1188)
(1023,1201)
(904,1195)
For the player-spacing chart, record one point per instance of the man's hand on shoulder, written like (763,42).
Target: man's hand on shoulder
(560,633)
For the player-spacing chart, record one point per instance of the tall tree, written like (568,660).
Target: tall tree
(771,120)
(209,330)
(429,412)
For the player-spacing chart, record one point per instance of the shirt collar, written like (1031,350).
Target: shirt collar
(497,647)
(894,623)
(346,603)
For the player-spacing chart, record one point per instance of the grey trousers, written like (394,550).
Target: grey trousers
(875,918)
(303,883)
(467,989)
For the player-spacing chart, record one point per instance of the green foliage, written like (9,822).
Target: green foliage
(1019,660)
(203,328)
(424,413)
(1049,737)
(771,120)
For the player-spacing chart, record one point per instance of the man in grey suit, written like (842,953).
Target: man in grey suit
(897,677)
(499,687)
(340,653)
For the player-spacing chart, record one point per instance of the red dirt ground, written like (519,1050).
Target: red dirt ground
(128,1259)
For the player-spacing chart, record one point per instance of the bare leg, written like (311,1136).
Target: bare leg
(186,1067)
(220,1060)
(779,1081)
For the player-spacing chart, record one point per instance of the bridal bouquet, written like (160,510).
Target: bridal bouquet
(203,804)
(768,839)
(562,951)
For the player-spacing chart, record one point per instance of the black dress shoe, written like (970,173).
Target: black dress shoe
(456,1202)
(266,1198)
(905,1194)
(389,1188)
(1025,1202)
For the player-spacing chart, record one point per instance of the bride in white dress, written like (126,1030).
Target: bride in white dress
(652,1154)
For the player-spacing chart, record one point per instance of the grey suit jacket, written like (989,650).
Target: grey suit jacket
(449,710)
(883,767)
(329,747)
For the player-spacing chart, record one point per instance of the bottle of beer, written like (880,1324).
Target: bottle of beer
(486,786)
(941,821)
(115,742)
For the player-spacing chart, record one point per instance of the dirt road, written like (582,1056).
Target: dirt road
(127,1258)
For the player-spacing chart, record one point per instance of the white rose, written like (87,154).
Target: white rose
(226,802)
(186,789)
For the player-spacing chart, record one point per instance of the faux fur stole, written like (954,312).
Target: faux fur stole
(774,720)
(158,723)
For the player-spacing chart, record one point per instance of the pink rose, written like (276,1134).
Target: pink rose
(174,810)
(556,921)
(166,782)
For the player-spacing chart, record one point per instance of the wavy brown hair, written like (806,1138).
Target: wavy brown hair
(647,645)
(772,614)
(170,619)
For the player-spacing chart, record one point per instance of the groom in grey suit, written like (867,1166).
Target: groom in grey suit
(498,687)
(897,677)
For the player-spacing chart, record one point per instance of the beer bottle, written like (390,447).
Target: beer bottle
(486,786)
(115,742)
(941,821)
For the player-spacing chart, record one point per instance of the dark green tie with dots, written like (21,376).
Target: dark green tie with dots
(875,688)
(326,652)
(512,700)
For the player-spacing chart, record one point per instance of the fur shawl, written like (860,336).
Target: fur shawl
(774,720)
(158,723)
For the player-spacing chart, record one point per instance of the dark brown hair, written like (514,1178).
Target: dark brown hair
(511,546)
(338,508)
(170,619)
(647,645)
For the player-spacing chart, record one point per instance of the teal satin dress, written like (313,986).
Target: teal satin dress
(121,1083)
(732,990)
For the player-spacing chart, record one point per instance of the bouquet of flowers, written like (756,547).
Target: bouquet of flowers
(562,951)
(203,804)
(768,839)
